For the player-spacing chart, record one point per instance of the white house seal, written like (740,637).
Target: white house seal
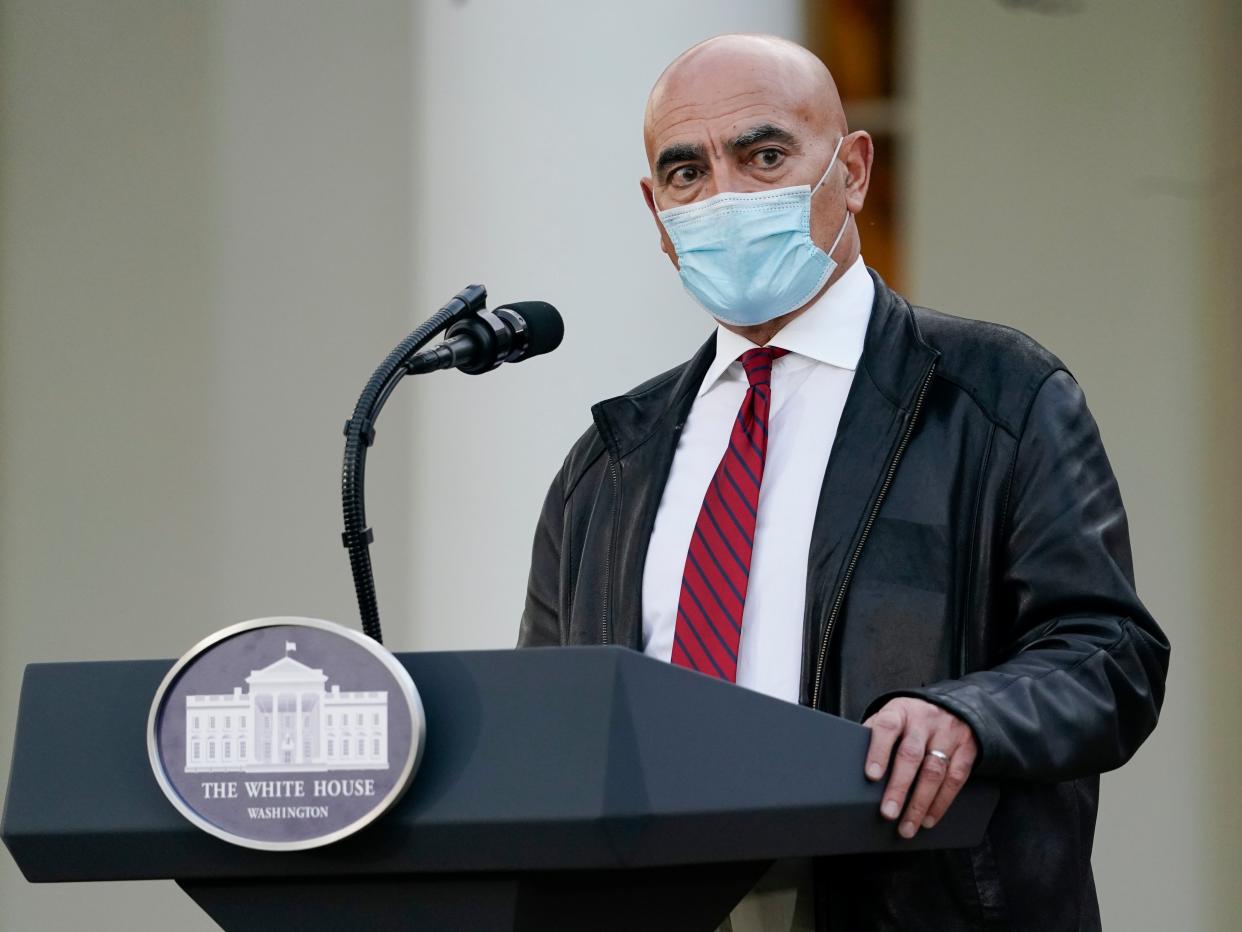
(285,733)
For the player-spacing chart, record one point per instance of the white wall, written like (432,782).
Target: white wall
(204,249)
(1063,179)
(1220,504)
(527,156)
(188,188)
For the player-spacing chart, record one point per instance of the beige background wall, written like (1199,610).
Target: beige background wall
(204,249)
(215,218)
(1068,177)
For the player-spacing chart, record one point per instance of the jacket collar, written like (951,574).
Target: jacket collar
(830,331)
(895,355)
(894,359)
(629,420)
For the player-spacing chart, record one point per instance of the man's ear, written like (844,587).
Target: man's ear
(856,156)
(666,245)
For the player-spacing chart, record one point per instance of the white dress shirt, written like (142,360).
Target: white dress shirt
(809,387)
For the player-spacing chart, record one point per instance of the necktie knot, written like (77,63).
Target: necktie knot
(758,364)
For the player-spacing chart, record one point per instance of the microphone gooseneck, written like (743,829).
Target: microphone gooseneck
(478,341)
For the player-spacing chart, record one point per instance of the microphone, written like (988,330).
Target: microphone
(477,341)
(482,341)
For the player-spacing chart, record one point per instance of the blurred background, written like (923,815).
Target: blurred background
(217,217)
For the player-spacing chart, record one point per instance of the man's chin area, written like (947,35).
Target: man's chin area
(761,334)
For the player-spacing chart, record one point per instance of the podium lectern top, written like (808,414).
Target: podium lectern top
(535,760)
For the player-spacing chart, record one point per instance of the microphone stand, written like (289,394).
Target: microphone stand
(360,434)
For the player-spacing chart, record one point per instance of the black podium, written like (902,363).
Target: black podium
(563,788)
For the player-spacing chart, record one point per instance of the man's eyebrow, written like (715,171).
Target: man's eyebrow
(764,132)
(679,152)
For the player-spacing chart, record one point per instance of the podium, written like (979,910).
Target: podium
(560,788)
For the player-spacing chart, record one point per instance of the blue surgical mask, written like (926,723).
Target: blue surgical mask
(748,257)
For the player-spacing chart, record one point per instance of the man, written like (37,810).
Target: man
(873,509)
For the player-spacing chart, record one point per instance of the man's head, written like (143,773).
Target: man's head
(743,113)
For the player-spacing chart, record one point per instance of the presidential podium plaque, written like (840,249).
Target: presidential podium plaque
(265,750)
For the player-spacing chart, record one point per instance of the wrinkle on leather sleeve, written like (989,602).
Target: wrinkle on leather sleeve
(540,625)
(1081,685)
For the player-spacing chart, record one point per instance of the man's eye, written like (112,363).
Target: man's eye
(683,176)
(768,158)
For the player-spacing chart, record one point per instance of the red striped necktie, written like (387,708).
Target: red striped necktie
(713,584)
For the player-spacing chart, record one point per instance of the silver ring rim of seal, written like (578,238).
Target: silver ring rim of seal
(414,703)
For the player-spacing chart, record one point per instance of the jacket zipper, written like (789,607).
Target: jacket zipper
(605,633)
(862,540)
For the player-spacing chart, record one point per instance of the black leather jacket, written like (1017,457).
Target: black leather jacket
(970,548)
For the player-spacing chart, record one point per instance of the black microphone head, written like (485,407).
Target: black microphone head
(543,325)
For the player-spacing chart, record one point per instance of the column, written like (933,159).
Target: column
(321,699)
(297,729)
(251,730)
(274,731)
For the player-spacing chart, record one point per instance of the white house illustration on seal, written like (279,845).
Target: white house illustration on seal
(287,720)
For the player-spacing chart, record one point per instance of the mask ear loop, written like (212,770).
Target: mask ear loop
(846,222)
(837,242)
(831,162)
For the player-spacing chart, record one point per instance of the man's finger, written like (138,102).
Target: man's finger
(906,763)
(886,726)
(960,765)
(931,776)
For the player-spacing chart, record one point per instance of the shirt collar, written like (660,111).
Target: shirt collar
(831,330)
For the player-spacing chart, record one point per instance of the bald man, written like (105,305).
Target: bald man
(867,507)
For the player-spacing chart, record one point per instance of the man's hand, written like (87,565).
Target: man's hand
(916,729)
